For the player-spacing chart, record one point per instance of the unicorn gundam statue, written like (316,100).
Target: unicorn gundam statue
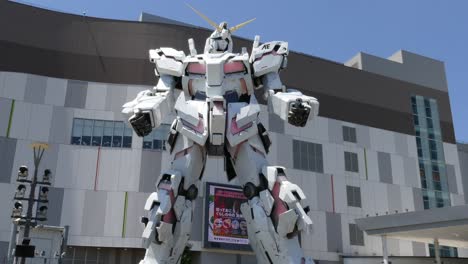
(218,115)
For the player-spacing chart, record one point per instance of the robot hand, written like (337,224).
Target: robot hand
(141,123)
(299,112)
(293,106)
(146,111)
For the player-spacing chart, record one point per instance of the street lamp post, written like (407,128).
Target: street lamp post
(38,150)
(30,219)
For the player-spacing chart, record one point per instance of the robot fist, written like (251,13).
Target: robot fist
(298,113)
(141,123)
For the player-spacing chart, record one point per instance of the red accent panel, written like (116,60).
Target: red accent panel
(235,129)
(233,67)
(279,206)
(196,68)
(170,217)
(97,168)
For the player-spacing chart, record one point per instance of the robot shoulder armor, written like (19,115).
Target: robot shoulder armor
(278,47)
(269,57)
(168,61)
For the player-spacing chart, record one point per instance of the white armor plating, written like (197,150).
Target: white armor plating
(217,114)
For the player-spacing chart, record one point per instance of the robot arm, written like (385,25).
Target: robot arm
(146,111)
(290,105)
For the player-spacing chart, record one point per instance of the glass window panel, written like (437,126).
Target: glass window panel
(416,120)
(127,138)
(118,134)
(97,132)
(312,157)
(428,112)
(349,194)
(347,161)
(87,132)
(108,131)
(296,155)
(304,157)
(77,131)
(429,123)
(158,144)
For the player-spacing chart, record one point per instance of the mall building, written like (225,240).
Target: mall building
(383,143)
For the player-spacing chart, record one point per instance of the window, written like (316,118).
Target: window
(351,162)
(445,252)
(157,138)
(307,156)
(91,132)
(356,236)
(354,196)
(349,134)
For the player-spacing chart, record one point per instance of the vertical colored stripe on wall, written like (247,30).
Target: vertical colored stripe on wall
(12,109)
(124,222)
(333,193)
(365,164)
(97,168)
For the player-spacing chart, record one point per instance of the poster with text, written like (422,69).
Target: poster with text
(226,225)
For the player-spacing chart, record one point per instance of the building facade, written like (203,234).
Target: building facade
(383,142)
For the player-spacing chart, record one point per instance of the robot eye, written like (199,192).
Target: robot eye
(234,67)
(196,68)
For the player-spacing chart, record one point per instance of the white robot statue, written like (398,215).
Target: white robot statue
(218,114)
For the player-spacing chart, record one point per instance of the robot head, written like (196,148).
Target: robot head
(220,40)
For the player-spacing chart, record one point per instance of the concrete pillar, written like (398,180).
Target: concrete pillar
(437,251)
(384,249)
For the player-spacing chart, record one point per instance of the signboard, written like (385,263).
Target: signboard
(225,226)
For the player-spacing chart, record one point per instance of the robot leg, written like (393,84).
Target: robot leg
(273,212)
(169,221)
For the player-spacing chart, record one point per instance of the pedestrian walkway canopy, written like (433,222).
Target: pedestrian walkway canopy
(449,225)
(446,226)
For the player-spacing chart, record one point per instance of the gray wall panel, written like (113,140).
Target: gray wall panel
(55,206)
(115,98)
(451,179)
(463,157)
(35,89)
(3,251)
(394,198)
(5,109)
(363,136)
(56,91)
(419,249)
(134,212)
(401,144)
(334,235)
(412,178)
(76,94)
(61,125)
(197,221)
(324,192)
(275,124)
(94,213)
(385,167)
(335,131)
(150,170)
(7,157)
(418,199)
(284,150)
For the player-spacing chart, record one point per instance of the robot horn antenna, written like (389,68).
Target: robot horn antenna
(211,22)
(234,28)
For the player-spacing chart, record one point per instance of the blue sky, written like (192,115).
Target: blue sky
(331,29)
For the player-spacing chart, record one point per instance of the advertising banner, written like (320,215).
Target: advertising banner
(226,227)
